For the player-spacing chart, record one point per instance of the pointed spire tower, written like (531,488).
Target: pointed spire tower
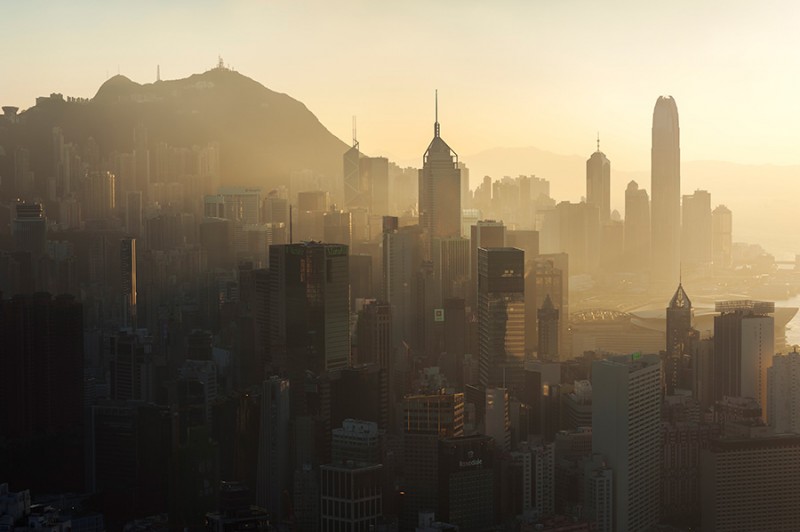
(680,335)
(439,188)
(598,182)
(354,195)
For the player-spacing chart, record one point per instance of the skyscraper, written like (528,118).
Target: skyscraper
(665,186)
(484,234)
(626,429)
(679,335)
(744,344)
(354,194)
(309,311)
(439,190)
(547,325)
(501,312)
(273,445)
(696,229)
(128,271)
(783,395)
(637,228)
(721,237)
(598,183)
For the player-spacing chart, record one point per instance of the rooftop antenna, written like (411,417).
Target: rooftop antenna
(220,62)
(436,113)
(598,141)
(355,136)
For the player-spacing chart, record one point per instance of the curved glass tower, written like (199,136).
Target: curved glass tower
(665,187)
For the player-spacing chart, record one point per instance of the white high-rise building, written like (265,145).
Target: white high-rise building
(626,429)
(783,393)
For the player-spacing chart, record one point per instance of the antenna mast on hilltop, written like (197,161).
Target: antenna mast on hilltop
(220,63)
(158,72)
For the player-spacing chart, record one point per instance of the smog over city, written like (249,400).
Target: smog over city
(399,266)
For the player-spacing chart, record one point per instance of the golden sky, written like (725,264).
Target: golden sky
(544,73)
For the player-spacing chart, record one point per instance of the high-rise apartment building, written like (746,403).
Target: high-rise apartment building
(501,312)
(665,186)
(626,429)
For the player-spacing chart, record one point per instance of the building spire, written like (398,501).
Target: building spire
(436,114)
(355,136)
(598,141)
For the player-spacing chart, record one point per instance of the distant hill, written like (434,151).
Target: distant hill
(263,134)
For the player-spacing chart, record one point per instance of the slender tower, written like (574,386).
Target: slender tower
(665,187)
(439,190)
(598,183)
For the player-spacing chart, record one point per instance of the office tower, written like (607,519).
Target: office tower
(783,395)
(679,335)
(696,229)
(626,429)
(141,154)
(41,395)
(484,234)
(578,234)
(275,209)
(241,204)
(128,271)
(311,209)
(744,344)
(359,391)
(133,213)
(451,266)
(750,483)
(309,312)
(439,191)
(721,237)
(131,446)
(547,328)
(338,227)
(576,406)
(466,482)
(374,333)
(637,228)
(132,365)
(547,276)
(374,174)
(23,175)
(524,239)
(501,312)
(199,378)
(274,456)
(455,340)
(683,442)
(357,441)
(497,418)
(427,419)
(466,195)
(665,185)
(402,257)
(355,193)
(215,240)
(598,183)
(351,496)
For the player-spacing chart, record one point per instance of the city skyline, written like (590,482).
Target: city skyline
(708,74)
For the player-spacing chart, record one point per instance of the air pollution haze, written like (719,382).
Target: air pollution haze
(393,266)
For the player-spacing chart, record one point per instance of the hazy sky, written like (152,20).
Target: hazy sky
(545,73)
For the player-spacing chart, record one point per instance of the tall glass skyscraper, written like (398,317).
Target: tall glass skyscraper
(665,187)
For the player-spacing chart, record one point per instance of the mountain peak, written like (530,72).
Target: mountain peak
(116,86)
